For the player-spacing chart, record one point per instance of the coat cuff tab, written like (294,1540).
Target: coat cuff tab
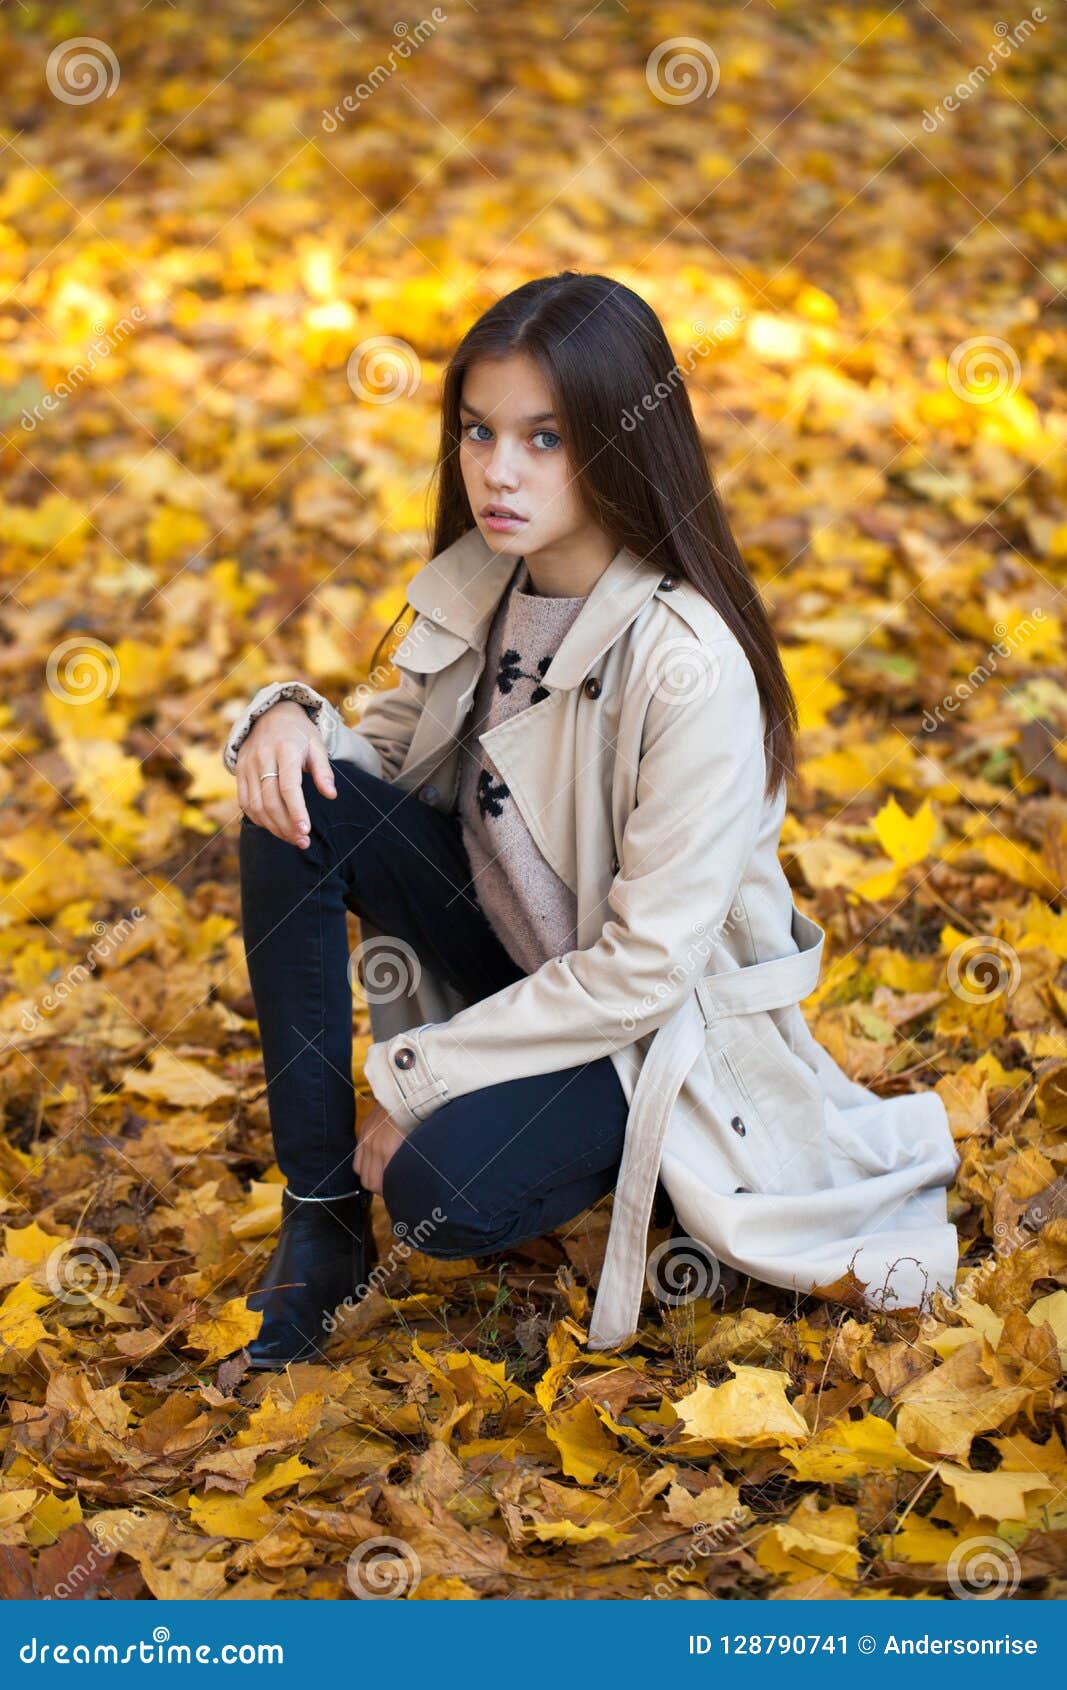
(399,1074)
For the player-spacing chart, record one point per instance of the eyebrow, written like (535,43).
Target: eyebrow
(542,416)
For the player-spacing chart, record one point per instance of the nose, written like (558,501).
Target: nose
(501,470)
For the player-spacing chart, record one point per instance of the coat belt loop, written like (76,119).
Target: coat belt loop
(775,984)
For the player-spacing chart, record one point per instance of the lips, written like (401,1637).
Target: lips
(502,510)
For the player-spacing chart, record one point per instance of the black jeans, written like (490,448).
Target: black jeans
(492,1168)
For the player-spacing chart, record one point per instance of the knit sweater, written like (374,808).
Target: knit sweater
(532,911)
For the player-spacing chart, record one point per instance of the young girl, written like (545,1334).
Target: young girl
(582,957)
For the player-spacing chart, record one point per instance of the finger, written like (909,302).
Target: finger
(267,777)
(319,764)
(248,791)
(395,1141)
(372,1175)
(291,792)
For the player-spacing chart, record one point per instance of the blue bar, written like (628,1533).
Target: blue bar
(499,1643)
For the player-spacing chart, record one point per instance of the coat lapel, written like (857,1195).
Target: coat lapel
(459,590)
(535,751)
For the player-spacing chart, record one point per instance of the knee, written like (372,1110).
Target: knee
(362,799)
(427,1211)
(416,1195)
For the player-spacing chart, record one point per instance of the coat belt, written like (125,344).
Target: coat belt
(671,1054)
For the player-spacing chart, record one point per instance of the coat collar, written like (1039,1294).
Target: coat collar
(461,586)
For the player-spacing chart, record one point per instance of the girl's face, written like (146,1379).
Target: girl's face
(512,455)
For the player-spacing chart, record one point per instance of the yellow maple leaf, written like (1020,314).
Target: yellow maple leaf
(263,1213)
(174,533)
(813,1541)
(816,692)
(278,1421)
(246,1517)
(920,1540)
(174,1079)
(997,1496)
(30,1243)
(20,1329)
(1019,863)
(585,1447)
(229,1329)
(52,1515)
(851,1448)
(907,839)
(14,1504)
(751,1411)
(211,778)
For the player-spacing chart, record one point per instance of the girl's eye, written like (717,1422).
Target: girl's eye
(554,439)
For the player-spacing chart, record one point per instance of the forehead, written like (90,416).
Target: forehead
(511,387)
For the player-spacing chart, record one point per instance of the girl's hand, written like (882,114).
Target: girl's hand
(286,739)
(379,1137)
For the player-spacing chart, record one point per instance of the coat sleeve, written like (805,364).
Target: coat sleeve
(379,744)
(699,801)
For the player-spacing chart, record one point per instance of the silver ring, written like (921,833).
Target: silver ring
(271,774)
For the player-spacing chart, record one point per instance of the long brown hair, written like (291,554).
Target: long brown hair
(645,482)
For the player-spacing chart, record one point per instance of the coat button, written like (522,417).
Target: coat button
(738,1126)
(614,865)
(405,1057)
(668,583)
(592,687)
(429,794)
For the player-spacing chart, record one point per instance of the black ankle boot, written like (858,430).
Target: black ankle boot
(324,1254)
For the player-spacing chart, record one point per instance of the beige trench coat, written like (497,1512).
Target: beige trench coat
(641,779)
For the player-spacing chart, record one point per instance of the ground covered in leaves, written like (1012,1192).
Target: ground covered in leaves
(865,291)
